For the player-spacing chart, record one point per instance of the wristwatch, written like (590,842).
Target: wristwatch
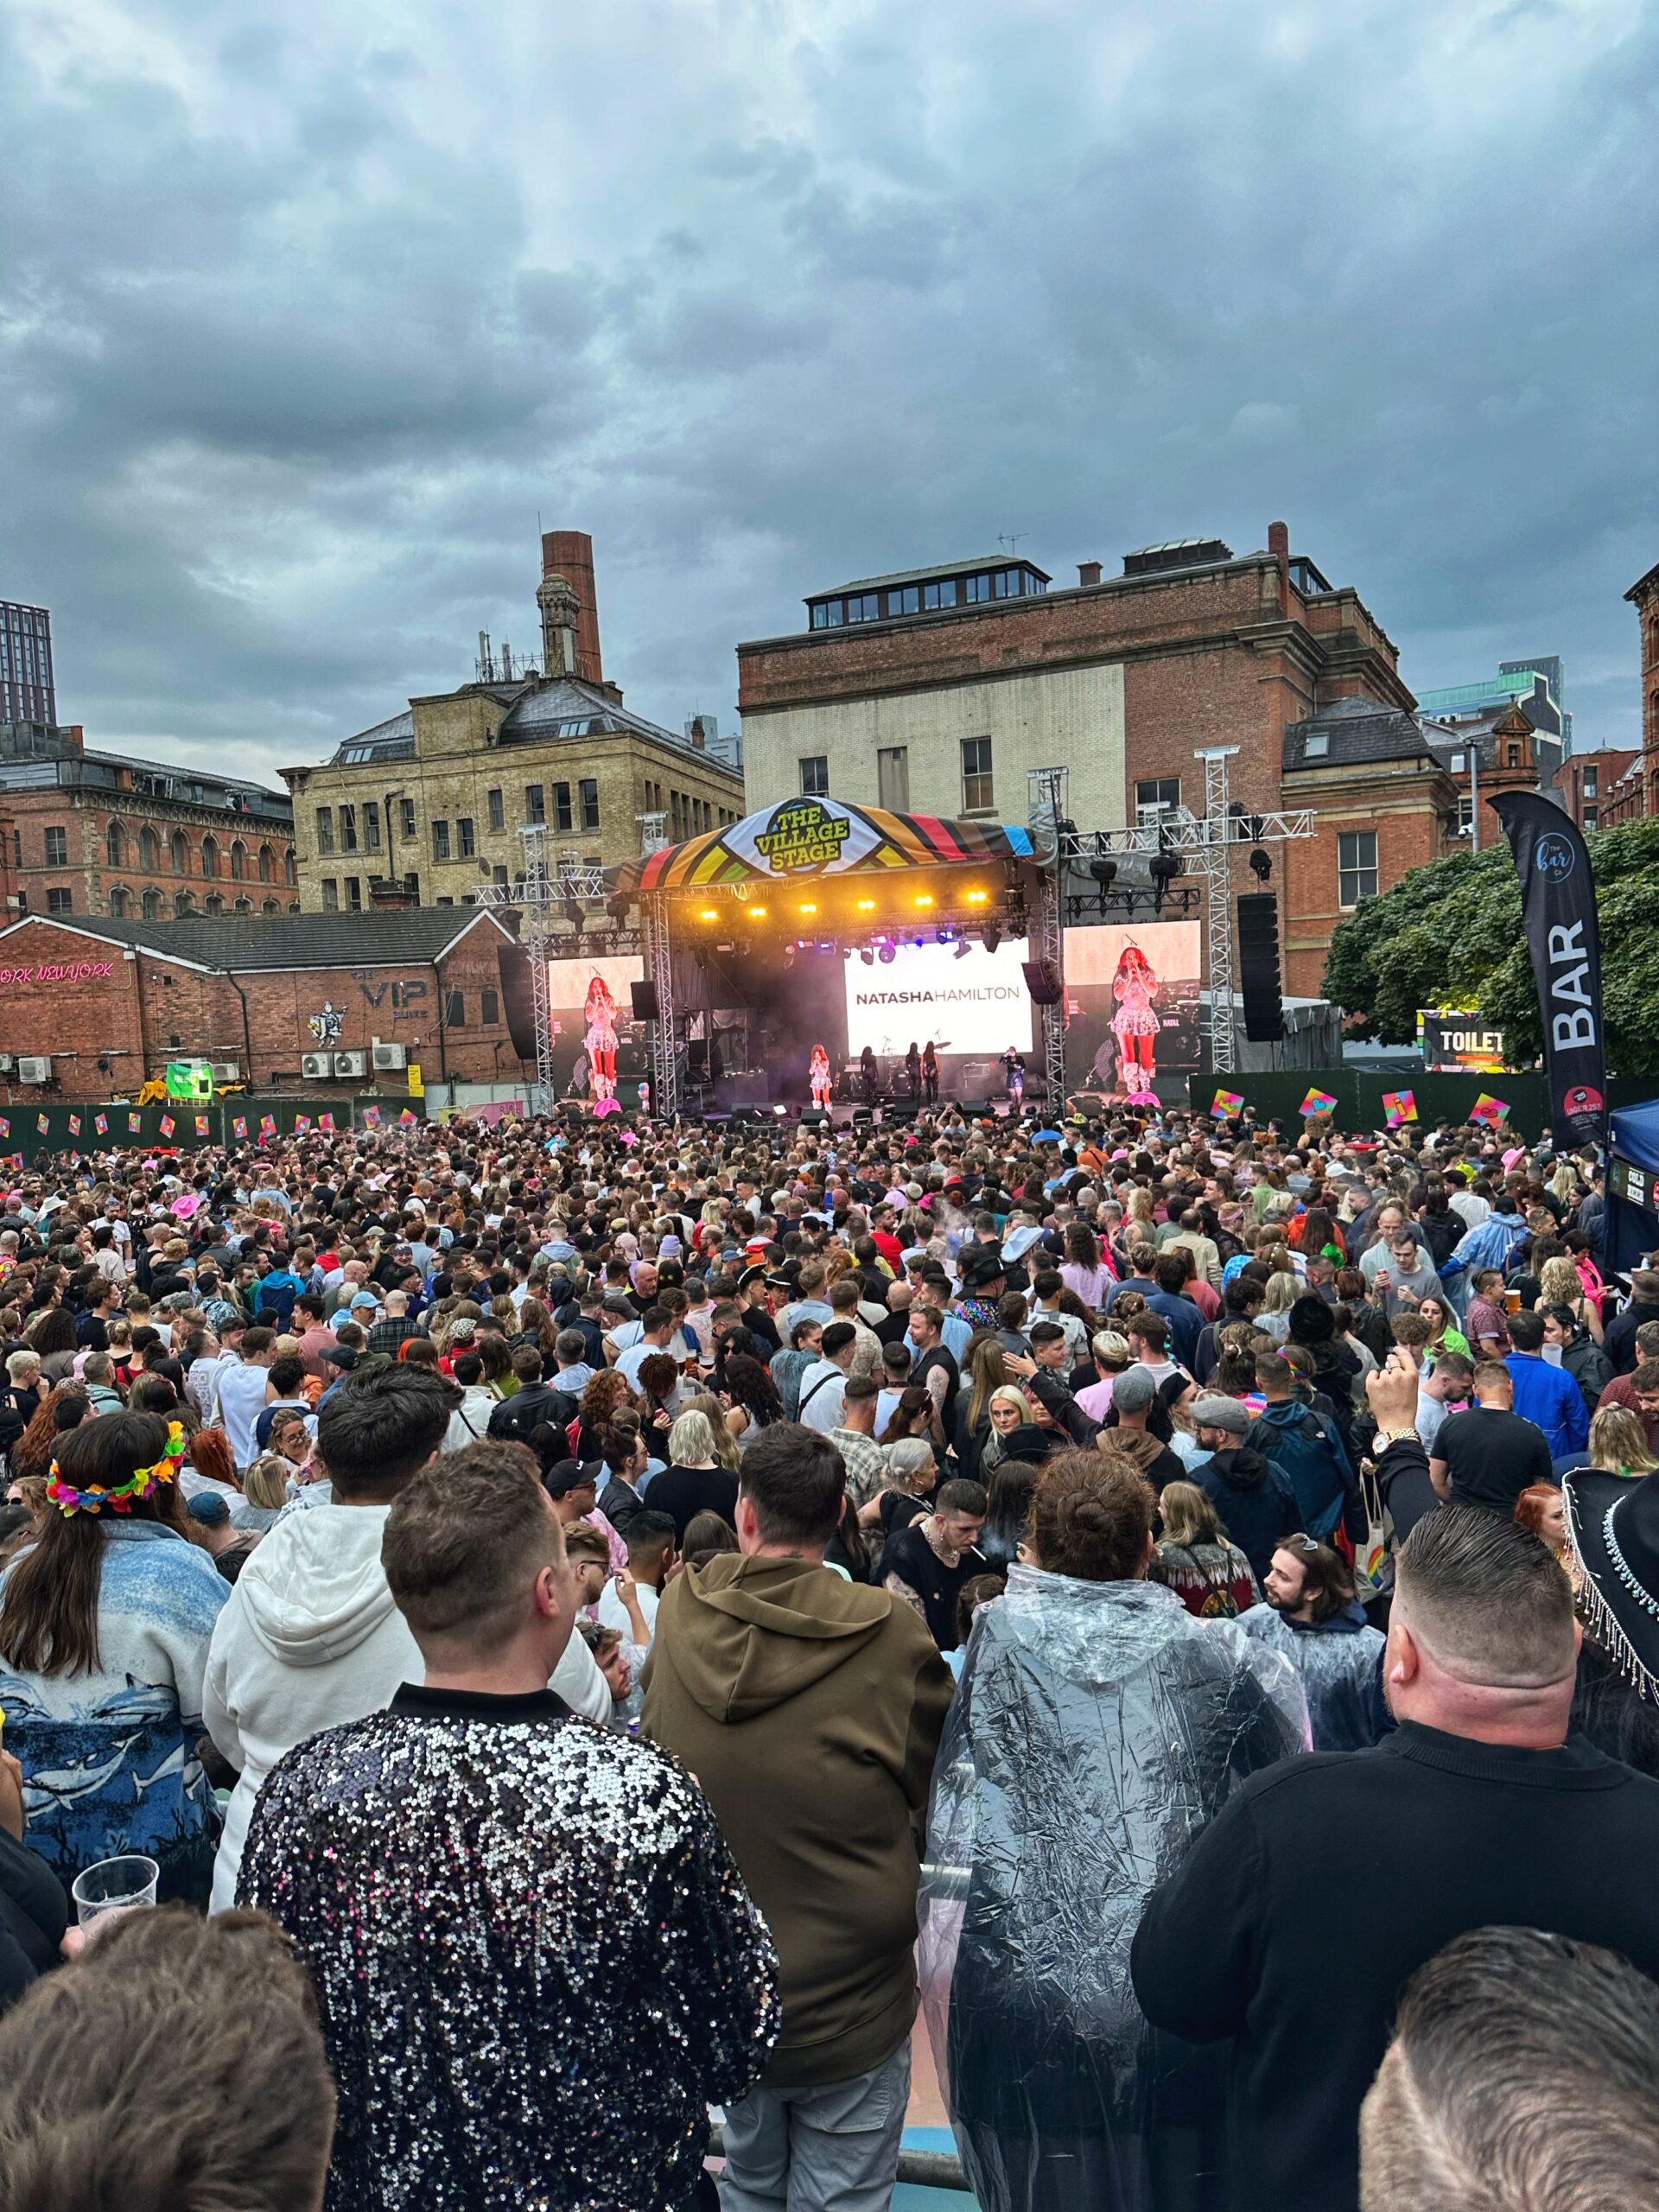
(1384,1437)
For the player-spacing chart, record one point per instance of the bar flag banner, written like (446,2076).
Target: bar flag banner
(1558,908)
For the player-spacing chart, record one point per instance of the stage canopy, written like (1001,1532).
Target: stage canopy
(803,837)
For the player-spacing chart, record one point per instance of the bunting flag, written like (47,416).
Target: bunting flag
(74,1125)
(1398,1106)
(201,1125)
(325,1121)
(101,1123)
(1489,1110)
(168,1125)
(239,1128)
(302,1123)
(407,1119)
(267,1125)
(1316,1101)
(1227,1101)
(5,1126)
(135,1122)
(43,1123)
(371,1117)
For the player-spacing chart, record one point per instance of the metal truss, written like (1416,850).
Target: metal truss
(1218,868)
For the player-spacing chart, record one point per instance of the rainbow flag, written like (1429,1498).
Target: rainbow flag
(408,1118)
(135,1122)
(1490,1109)
(74,1125)
(201,1125)
(1227,1101)
(5,1126)
(325,1121)
(239,1126)
(302,1123)
(101,1123)
(168,1125)
(1316,1101)
(267,1125)
(371,1117)
(1398,1106)
(43,1123)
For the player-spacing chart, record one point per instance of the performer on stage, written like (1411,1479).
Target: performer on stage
(869,1080)
(913,1072)
(598,1038)
(930,1073)
(818,1078)
(1136,1024)
(1016,1067)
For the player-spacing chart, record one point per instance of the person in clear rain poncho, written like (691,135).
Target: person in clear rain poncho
(1098,1727)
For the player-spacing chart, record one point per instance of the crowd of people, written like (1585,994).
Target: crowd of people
(611,1620)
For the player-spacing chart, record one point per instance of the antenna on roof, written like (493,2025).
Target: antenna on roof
(486,658)
(506,662)
(1011,538)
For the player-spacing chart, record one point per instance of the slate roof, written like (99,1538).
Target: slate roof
(1356,731)
(412,936)
(392,739)
(926,575)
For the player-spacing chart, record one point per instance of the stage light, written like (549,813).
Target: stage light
(572,910)
(867,905)
(709,914)
(1105,872)
(977,898)
(755,913)
(964,949)
(1261,866)
(990,936)
(866,955)
(780,1110)
(616,907)
(884,955)
(924,898)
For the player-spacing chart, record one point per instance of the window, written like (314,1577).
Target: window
(440,841)
(865,607)
(1465,816)
(535,803)
(1591,818)
(372,824)
(892,777)
(407,806)
(499,873)
(943,593)
(907,601)
(150,852)
(115,844)
(976,775)
(1514,756)
(1459,762)
(445,901)
(238,862)
(264,864)
(184,902)
(325,828)
(120,902)
(57,848)
(60,900)
(1008,584)
(180,854)
(1316,745)
(152,903)
(589,789)
(330,895)
(210,857)
(563,818)
(820,615)
(832,614)
(1154,798)
(215,902)
(354,893)
(1591,789)
(467,843)
(455,1010)
(489,1010)
(271,905)
(498,812)
(1355,866)
(244,905)
(412,885)
(978,588)
(291,869)
(348,828)
(815,775)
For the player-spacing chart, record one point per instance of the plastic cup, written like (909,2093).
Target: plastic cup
(114,1886)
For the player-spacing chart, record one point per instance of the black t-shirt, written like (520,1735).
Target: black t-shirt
(686,1492)
(913,1559)
(1493,1456)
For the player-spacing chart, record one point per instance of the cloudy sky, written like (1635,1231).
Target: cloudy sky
(307,313)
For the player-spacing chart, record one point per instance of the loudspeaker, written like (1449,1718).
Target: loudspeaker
(1041,982)
(512,962)
(1258,967)
(696,1055)
(644,1001)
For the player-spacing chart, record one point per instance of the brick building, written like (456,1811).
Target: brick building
(1597,788)
(432,799)
(1643,595)
(88,832)
(109,1002)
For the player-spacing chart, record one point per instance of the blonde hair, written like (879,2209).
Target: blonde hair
(1619,1443)
(265,1484)
(691,1440)
(1189,1517)
(724,1446)
(1559,1283)
(1282,1292)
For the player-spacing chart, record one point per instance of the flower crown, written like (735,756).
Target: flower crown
(140,1483)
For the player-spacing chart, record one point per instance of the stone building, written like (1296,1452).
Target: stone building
(428,806)
(1644,798)
(89,832)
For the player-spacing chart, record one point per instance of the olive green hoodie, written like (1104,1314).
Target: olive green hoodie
(809,1708)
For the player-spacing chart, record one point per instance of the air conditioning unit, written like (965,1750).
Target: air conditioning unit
(7,1062)
(350,1063)
(226,1070)
(316,1067)
(33,1071)
(392,1056)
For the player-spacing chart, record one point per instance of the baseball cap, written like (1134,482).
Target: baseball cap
(566,1475)
(362,1298)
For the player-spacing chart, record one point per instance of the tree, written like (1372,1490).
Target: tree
(1450,934)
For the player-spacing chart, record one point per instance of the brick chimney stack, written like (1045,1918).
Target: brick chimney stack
(1088,572)
(569,553)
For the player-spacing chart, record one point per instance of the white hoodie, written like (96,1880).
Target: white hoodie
(309,1638)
